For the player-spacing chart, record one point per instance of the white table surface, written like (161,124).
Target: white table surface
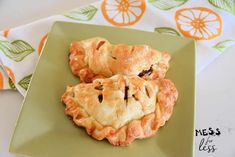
(215,94)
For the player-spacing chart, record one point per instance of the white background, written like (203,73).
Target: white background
(215,93)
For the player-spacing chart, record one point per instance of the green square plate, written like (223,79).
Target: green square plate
(43,130)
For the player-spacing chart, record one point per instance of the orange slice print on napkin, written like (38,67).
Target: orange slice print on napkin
(10,73)
(1,81)
(42,42)
(123,12)
(198,23)
(6,33)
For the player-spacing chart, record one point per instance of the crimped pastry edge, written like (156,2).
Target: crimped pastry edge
(135,129)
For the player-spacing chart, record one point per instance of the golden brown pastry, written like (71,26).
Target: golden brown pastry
(121,108)
(97,58)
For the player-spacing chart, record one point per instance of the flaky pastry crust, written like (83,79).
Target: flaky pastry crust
(97,58)
(121,108)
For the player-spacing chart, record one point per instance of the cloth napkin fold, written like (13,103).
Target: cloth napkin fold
(210,23)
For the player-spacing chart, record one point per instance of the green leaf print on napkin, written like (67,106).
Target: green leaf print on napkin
(227,5)
(16,50)
(82,14)
(11,84)
(167,30)
(223,45)
(25,82)
(167,4)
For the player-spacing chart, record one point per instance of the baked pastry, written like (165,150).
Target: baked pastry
(96,58)
(121,108)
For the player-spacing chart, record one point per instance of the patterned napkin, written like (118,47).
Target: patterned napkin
(210,22)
